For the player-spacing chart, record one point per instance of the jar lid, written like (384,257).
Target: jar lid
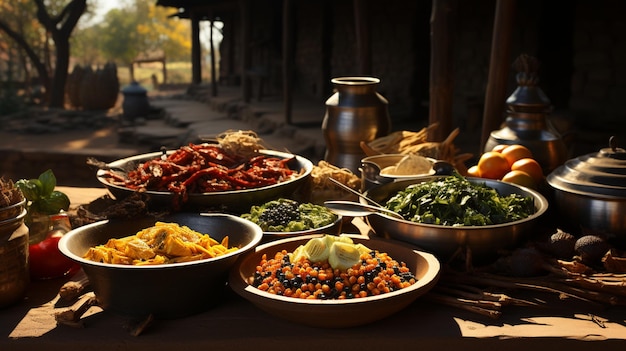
(134,88)
(601,174)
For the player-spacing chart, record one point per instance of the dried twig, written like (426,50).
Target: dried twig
(142,325)
(490,309)
(72,317)
(73,289)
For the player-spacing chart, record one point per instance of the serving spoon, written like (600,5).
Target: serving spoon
(350,190)
(357,209)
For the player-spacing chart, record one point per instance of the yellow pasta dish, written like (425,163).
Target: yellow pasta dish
(160,244)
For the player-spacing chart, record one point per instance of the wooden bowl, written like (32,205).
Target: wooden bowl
(336,313)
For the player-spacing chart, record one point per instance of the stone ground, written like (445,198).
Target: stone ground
(63,140)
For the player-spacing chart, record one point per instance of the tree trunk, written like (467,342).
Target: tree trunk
(57,88)
(61,27)
(36,61)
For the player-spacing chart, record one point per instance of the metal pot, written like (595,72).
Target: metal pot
(167,291)
(589,193)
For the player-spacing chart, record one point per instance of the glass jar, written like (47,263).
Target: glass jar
(45,259)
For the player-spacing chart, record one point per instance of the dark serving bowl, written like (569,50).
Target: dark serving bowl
(232,201)
(168,290)
(336,313)
(483,241)
(331,229)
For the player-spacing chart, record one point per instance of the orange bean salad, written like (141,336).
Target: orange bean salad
(376,274)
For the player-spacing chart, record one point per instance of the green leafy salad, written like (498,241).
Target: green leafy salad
(455,201)
(286,215)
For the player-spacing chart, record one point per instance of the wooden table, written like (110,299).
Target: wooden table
(236,324)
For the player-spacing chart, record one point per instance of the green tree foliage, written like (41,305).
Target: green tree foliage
(56,22)
(143,29)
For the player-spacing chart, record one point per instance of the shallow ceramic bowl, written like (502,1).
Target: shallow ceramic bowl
(167,290)
(336,313)
(332,229)
(444,241)
(373,170)
(231,201)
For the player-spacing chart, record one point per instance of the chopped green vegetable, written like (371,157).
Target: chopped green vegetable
(285,215)
(455,201)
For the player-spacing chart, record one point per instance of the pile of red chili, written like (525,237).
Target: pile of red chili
(203,168)
(377,274)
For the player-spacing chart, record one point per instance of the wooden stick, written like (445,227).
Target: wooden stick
(72,317)
(73,289)
(467,305)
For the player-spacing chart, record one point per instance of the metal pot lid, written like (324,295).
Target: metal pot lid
(601,174)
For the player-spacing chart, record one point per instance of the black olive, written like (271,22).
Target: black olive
(280,212)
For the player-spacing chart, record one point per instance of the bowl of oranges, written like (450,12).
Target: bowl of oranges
(509,163)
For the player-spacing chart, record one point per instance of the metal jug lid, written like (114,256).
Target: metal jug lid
(134,88)
(601,174)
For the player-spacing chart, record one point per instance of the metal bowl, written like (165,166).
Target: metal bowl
(336,313)
(589,193)
(232,201)
(372,170)
(444,241)
(169,290)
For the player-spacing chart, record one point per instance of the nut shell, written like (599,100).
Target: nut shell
(591,248)
(562,244)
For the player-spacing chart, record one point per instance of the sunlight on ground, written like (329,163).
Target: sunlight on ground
(90,139)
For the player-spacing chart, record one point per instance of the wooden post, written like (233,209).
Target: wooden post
(212,47)
(196,68)
(363,36)
(288,59)
(442,33)
(164,70)
(499,63)
(245,49)
(131,70)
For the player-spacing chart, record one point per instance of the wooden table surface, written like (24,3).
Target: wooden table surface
(235,323)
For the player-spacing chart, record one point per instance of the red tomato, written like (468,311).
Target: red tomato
(46,261)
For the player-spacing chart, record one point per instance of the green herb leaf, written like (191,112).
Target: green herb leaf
(54,203)
(48,182)
(31,188)
(455,201)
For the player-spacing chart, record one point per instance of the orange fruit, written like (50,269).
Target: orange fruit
(473,171)
(499,147)
(530,166)
(516,152)
(520,178)
(493,165)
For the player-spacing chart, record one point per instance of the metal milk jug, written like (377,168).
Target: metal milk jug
(355,113)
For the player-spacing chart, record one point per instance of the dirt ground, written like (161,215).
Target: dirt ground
(26,155)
